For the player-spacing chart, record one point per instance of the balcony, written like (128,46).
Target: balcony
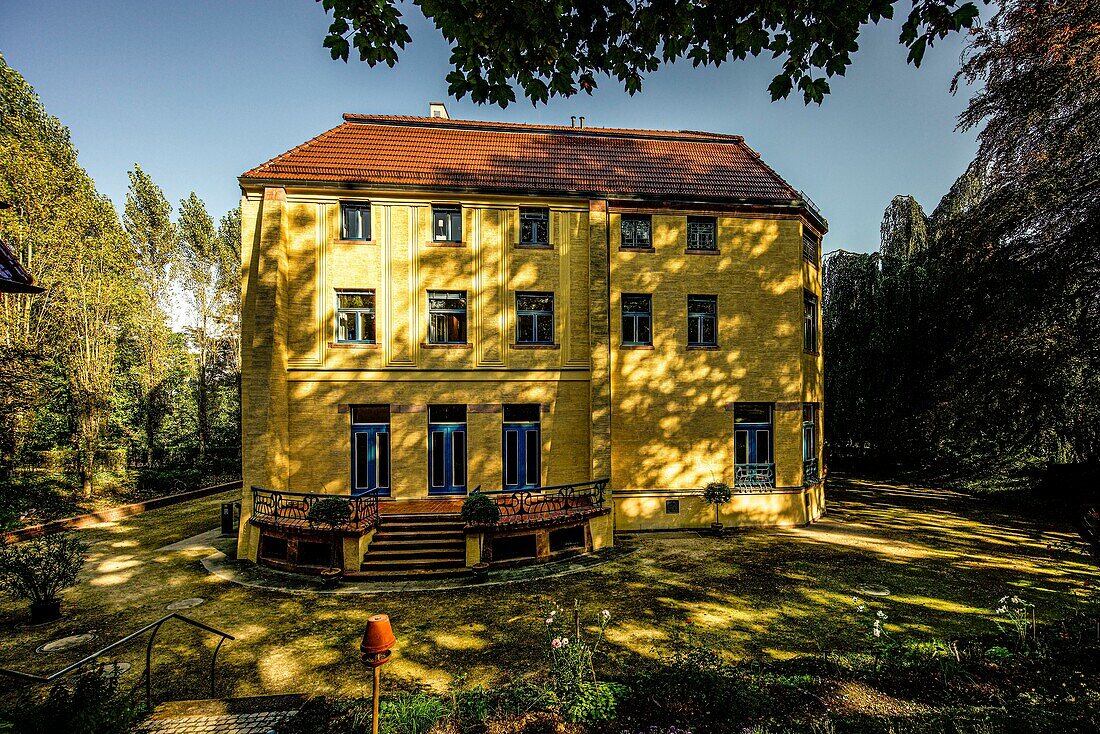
(810,472)
(749,478)
(554,505)
(291,510)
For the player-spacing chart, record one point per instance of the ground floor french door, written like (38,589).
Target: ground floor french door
(522,456)
(370,462)
(447,458)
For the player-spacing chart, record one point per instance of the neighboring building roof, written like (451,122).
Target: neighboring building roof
(13,277)
(432,152)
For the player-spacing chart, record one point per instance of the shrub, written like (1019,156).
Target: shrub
(330,511)
(480,509)
(91,703)
(39,570)
(717,494)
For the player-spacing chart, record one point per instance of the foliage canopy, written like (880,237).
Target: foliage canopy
(561,48)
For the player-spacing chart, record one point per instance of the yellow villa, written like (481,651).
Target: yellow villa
(585,324)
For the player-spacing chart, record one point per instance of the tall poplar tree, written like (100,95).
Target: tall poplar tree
(199,258)
(148,222)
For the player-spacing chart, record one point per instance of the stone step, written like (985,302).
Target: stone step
(430,564)
(422,518)
(388,534)
(427,554)
(388,543)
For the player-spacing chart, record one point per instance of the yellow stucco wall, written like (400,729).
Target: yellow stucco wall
(656,420)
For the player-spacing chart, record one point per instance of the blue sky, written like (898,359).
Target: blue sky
(197,92)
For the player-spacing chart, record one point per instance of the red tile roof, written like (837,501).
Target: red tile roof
(440,153)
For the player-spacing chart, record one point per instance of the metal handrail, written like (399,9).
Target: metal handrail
(155,627)
(547,503)
(753,477)
(270,504)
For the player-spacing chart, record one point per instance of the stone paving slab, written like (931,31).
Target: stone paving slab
(251,715)
(258,723)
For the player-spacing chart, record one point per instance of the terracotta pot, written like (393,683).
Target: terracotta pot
(45,611)
(378,640)
(480,571)
(716,528)
(331,576)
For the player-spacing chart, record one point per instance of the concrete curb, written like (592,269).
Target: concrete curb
(115,513)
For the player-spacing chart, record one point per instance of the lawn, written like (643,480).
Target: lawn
(946,558)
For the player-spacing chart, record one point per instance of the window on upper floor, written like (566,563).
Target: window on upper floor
(446,317)
(637,231)
(446,223)
(355,322)
(702,233)
(702,321)
(534,226)
(810,244)
(809,323)
(637,313)
(355,220)
(534,318)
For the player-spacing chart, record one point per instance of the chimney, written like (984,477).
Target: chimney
(582,120)
(572,121)
(438,109)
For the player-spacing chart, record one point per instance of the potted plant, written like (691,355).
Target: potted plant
(333,512)
(717,493)
(477,510)
(39,570)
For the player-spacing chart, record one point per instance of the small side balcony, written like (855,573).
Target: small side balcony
(749,478)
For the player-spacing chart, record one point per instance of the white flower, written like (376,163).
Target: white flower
(861,609)
(549,621)
(565,642)
(880,614)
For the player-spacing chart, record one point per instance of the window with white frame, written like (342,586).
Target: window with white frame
(355,317)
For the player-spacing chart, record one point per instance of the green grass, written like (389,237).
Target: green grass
(758,594)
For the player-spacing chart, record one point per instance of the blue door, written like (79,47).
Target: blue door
(522,455)
(446,458)
(370,461)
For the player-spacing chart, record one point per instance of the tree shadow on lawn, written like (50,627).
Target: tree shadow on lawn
(770,593)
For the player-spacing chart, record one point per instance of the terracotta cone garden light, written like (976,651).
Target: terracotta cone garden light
(377,647)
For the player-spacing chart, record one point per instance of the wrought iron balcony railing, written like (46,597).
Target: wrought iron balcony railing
(753,477)
(549,504)
(810,473)
(293,508)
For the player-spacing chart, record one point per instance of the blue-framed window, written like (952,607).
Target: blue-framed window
(355,220)
(809,431)
(534,226)
(753,458)
(637,313)
(355,317)
(446,317)
(702,321)
(637,231)
(702,233)
(370,449)
(446,223)
(809,323)
(534,318)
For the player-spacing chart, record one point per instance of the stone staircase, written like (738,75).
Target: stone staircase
(416,546)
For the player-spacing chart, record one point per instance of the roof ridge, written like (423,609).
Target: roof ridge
(536,128)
